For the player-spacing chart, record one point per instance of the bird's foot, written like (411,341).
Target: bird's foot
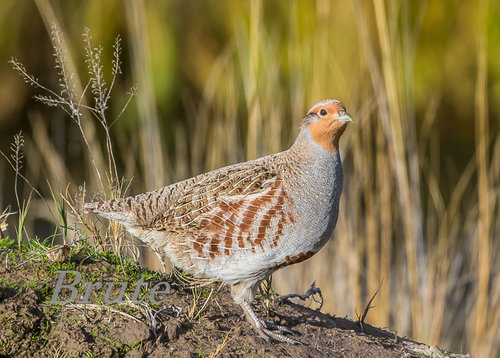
(277,335)
(277,332)
(266,329)
(275,327)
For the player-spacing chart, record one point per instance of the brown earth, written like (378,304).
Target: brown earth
(31,327)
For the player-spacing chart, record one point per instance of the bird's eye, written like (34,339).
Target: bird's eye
(323,112)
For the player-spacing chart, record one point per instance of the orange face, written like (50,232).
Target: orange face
(327,121)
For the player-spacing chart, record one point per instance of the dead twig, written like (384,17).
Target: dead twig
(361,319)
(310,292)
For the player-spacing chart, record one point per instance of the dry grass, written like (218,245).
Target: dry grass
(430,236)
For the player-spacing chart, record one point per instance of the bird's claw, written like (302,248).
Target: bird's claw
(276,327)
(277,335)
(268,330)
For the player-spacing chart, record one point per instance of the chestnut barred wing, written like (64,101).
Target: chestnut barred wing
(244,209)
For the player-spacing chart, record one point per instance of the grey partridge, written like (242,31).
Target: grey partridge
(242,222)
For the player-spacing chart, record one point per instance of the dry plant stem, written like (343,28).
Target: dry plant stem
(189,281)
(221,346)
(482,155)
(90,306)
(16,169)
(153,159)
(3,221)
(207,301)
(251,68)
(86,127)
(74,208)
(361,319)
(101,92)
(54,99)
(17,157)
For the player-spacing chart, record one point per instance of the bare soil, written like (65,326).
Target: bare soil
(31,327)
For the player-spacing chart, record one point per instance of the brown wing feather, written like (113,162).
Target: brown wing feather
(209,193)
(230,211)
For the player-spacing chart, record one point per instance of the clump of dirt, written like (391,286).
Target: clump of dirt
(190,322)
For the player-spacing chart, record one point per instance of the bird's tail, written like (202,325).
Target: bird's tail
(117,209)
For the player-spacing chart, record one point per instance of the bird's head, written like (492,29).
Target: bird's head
(326,122)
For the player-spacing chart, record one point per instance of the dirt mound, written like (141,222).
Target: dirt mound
(189,322)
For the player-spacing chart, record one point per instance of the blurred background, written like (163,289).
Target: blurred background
(219,82)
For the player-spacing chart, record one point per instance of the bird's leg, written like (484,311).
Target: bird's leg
(266,330)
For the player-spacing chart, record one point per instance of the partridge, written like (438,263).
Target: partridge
(241,223)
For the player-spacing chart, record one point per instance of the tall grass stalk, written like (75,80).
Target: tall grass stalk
(22,213)
(76,91)
(153,158)
(484,204)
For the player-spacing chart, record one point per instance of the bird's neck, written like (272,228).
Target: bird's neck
(312,146)
(307,157)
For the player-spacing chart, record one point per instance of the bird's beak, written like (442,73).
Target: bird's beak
(346,117)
